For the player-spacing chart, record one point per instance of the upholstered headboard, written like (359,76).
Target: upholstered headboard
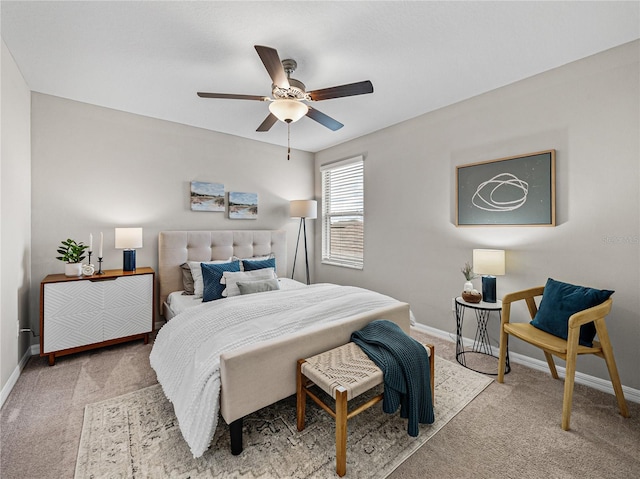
(177,247)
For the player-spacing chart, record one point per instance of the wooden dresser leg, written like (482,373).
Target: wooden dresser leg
(235,430)
(52,359)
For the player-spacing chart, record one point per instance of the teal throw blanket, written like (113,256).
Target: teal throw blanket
(405,365)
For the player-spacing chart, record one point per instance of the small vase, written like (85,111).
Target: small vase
(468,286)
(73,269)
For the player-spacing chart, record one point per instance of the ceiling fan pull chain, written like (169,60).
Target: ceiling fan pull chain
(288,141)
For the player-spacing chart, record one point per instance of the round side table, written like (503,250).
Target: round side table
(481,342)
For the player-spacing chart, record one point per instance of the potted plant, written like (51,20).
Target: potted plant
(72,254)
(469,293)
(467,271)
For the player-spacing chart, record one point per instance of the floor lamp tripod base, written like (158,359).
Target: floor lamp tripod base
(302,227)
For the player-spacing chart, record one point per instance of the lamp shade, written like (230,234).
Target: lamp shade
(304,209)
(128,238)
(288,110)
(489,261)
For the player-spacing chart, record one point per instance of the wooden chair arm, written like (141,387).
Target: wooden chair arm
(592,314)
(528,295)
(524,294)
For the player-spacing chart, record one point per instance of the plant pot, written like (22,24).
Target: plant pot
(73,269)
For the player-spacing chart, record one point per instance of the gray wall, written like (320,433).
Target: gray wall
(15,228)
(95,169)
(589,112)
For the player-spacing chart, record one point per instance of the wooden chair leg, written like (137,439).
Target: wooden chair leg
(502,357)
(301,396)
(570,374)
(552,365)
(607,352)
(341,432)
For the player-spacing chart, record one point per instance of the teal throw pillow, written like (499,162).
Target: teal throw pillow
(251,265)
(561,300)
(211,276)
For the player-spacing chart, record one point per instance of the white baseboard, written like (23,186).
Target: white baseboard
(604,385)
(13,379)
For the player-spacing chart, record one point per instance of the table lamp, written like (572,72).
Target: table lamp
(128,239)
(303,209)
(489,263)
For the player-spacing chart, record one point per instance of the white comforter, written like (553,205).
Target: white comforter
(186,352)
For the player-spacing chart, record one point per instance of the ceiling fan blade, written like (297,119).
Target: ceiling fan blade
(231,96)
(359,88)
(268,122)
(323,119)
(272,63)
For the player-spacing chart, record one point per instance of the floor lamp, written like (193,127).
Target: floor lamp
(303,209)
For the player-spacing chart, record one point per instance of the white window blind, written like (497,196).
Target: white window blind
(343,213)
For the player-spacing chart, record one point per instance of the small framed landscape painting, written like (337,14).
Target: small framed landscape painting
(243,206)
(514,191)
(207,196)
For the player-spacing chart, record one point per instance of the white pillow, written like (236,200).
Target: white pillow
(196,273)
(230,278)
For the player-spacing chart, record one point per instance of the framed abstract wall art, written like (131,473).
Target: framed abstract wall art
(515,191)
(207,196)
(243,206)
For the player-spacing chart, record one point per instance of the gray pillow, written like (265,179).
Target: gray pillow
(187,279)
(249,287)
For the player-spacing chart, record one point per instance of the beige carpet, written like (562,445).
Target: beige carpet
(137,436)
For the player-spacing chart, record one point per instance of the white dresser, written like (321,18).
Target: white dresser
(89,312)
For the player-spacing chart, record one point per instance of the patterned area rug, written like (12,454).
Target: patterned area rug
(137,436)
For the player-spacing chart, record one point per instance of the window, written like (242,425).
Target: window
(343,213)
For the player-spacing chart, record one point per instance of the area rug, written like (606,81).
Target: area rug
(137,436)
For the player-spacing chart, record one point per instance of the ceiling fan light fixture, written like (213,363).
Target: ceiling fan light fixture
(288,110)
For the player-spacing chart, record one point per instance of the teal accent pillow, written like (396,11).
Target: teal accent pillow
(250,265)
(211,276)
(250,287)
(561,300)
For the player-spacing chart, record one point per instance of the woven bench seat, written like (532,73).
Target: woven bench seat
(343,373)
(347,367)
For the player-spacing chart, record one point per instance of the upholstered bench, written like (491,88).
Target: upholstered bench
(343,373)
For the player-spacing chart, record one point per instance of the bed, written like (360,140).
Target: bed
(253,359)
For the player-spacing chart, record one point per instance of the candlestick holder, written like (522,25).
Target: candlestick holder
(89,252)
(100,266)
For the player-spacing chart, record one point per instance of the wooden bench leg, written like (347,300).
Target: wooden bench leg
(341,432)
(432,371)
(301,396)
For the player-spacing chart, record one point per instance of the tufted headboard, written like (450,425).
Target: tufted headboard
(177,247)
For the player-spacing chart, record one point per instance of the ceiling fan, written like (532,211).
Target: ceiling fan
(289,94)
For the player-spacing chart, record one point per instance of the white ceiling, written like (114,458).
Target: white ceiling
(151,58)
